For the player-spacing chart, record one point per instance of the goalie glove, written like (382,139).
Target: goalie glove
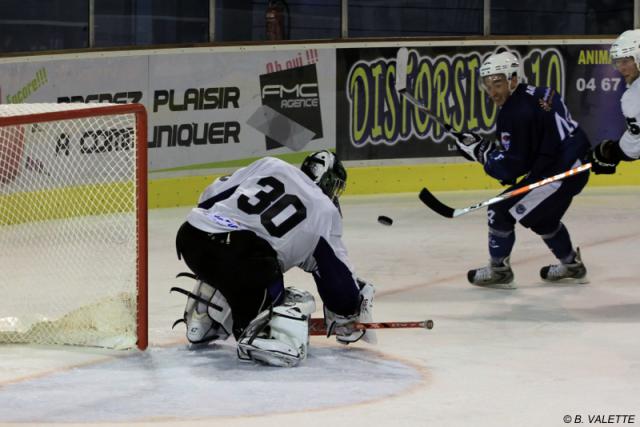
(473,147)
(343,326)
(602,158)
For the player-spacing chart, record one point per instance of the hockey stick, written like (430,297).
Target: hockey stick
(402,58)
(316,326)
(449,212)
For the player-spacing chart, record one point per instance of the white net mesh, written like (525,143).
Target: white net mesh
(68,228)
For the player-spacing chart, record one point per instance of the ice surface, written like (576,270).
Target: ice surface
(169,383)
(525,357)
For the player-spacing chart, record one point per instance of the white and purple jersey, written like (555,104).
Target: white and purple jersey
(630,103)
(280,204)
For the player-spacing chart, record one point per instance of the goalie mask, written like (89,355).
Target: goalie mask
(324,168)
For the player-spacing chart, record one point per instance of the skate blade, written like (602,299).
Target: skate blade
(201,346)
(568,281)
(511,285)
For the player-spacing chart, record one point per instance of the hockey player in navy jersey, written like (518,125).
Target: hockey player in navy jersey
(625,53)
(247,230)
(536,138)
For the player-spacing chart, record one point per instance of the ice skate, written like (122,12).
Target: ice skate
(493,276)
(574,272)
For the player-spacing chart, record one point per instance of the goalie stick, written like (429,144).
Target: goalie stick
(437,206)
(316,326)
(402,58)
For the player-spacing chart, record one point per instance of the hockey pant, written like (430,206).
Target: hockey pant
(239,264)
(540,210)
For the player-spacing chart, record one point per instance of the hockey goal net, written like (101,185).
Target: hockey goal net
(73,225)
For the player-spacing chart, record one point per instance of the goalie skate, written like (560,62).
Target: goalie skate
(574,272)
(492,276)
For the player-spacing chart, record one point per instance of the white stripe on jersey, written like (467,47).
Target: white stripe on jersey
(279,203)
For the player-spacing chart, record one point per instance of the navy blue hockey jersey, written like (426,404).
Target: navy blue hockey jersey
(538,137)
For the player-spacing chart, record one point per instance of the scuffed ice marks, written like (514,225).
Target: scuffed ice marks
(177,383)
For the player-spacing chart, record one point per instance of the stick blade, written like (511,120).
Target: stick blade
(434,204)
(402,58)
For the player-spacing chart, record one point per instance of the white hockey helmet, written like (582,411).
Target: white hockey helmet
(503,63)
(627,45)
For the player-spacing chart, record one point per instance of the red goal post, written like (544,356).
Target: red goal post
(73,224)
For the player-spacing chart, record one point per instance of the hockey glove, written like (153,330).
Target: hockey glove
(473,147)
(602,158)
(343,326)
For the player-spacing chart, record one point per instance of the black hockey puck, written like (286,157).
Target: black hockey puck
(385,220)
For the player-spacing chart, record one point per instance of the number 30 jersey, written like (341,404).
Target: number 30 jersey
(280,204)
(630,103)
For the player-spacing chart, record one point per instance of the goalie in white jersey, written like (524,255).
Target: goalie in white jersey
(247,230)
(625,54)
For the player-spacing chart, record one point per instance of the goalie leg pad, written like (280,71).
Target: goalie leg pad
(278,337)
(301,299)
(207,314)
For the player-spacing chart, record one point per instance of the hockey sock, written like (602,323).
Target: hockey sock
(559,242)
(500,244)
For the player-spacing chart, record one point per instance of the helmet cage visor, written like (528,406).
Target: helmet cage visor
(622,62)
(487,82)
(332,185)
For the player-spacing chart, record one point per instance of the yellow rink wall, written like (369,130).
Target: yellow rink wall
(68,202)
(184,191)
